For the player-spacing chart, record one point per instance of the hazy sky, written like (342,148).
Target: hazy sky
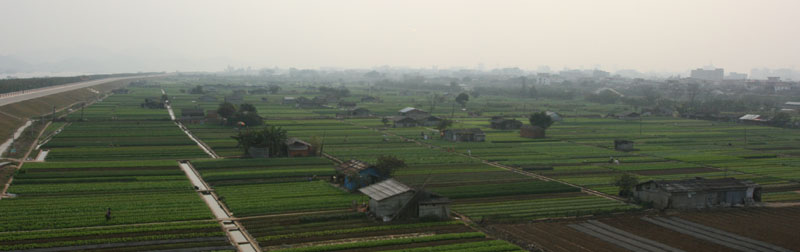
(639,34)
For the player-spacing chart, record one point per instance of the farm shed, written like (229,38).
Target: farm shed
(390,199)
(298,148)
(427,120)
(465,135)
(530,131)
(554,116)
(413,112)
(404,122)
(192,115)
(698,193)
(355,174)
(207,98)
(623,145)
(356,112)
(752,118)
(498,122)
(288,100)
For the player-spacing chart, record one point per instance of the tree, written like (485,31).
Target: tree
(274,89)
(462,99)
(250,119)
(247,107)
(387,164)
(270,137)
(197,90)
(781,119)
(541,120)
(226,110)
(385,121)
(626,182)
(444,124)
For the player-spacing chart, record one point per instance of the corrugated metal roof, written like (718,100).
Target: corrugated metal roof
(750,117)
(384,189)
(353,166)
(407,109)
(793,103)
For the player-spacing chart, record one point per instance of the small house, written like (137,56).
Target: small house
(298,148)
(501,123)
(623,145)
(288,100)
(698,193)
(530,131)
(554,116)
(413,112)
(192,115)
(428,121)
(390,199)
(355,174)
(207,98)
(465,135)
(404,122)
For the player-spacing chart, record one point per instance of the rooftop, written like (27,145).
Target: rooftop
(352,166)
(384,189)
(407,109)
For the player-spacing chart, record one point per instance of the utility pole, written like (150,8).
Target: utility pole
(640,124)
(745,135)
(83,106)
(54,113)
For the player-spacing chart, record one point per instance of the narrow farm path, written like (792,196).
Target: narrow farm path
(207,149)
(236,233)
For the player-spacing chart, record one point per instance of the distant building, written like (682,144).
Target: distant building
(413,112)
(298,148)
(752,118)
(207,98)
(792,105)
(288,100)
(736,76)
(698,193)
(404,122)
(356,112)
(530,131)
(346,104)
(498,122)
(465,135)
(554,116)
(709,75)
(192,115)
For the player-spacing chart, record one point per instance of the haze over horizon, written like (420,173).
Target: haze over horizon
(129,36)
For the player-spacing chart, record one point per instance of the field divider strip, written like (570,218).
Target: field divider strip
(724,241)
(207,149)
(237,233)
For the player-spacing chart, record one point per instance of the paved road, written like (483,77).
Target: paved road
(31,94)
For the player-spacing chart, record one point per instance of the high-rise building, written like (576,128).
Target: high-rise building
(709,75)
(736,76)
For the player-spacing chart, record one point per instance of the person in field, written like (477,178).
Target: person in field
(108,214)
